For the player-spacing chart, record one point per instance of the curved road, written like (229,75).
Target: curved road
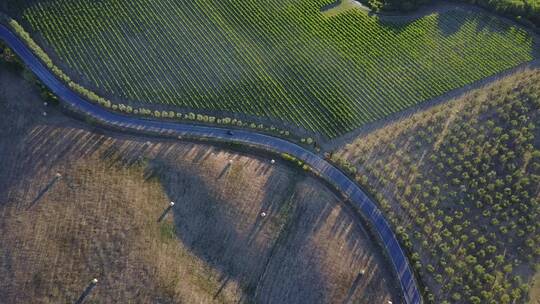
(325,170)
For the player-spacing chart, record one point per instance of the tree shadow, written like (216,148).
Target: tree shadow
(43,191)
(212,228)
(331,5)
(16,8)
(449,23)
(251,254)
(450,19)
(272,257)
(15,124)
(225,169)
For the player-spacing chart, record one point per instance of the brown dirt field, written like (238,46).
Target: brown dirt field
(100,220)
(535,289)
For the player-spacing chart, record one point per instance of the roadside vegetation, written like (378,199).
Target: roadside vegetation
(461,184)
(10,57)
(284,61)
(103,218)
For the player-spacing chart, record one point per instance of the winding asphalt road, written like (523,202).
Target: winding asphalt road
(325,170)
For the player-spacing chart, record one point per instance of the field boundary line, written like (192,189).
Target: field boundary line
(365,206)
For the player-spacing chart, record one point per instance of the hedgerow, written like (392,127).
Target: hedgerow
(93,97)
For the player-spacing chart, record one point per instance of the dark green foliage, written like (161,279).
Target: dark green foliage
(520,9)
(9,57)
(281,60)
(15,8)
(525,11)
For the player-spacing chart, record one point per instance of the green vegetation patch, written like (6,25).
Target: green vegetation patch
(525,11)
(460,182)
(279,59)
(167,231)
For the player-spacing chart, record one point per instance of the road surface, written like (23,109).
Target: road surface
(363,204)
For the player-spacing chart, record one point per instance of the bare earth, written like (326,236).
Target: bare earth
(100,220)
(535,288)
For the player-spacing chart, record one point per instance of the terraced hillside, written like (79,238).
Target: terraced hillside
(277,59)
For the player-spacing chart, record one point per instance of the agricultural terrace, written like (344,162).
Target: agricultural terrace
(283,60)
(460,182)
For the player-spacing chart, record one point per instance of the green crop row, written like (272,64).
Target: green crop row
(277,59)
(141,111)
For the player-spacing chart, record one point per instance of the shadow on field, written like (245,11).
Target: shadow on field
(484,21)
(276,259)
(44,191)
(15,8)
(273,258)
(231,236)
(451,17)
(292,255)
(15,123)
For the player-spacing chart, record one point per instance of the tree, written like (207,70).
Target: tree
(475,300)
(456,296)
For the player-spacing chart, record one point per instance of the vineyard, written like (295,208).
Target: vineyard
(460,182)
(277,59)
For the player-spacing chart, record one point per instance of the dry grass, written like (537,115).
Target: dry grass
(100,219)
(408,166)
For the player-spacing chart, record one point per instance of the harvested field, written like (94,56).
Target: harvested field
(100,219)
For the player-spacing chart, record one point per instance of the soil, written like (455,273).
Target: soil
(106,216)
(535,289)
